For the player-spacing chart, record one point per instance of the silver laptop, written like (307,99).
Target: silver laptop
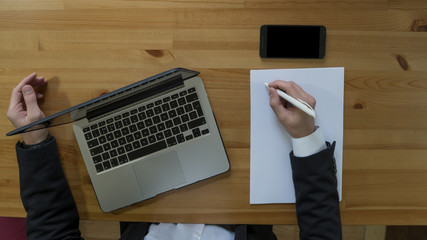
(147,138)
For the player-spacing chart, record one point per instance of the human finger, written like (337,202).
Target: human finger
(30,98)
(26,81)
(277,104)
(288,87)
(305,96)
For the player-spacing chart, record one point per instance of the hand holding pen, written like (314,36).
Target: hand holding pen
(297,122)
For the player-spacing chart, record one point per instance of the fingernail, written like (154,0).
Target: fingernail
(27,89)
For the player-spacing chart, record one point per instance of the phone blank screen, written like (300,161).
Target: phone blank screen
(293,42)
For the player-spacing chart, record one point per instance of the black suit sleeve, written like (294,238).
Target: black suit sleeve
(45,194)
(316,195)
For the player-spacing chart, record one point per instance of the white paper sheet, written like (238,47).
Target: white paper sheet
(271,174)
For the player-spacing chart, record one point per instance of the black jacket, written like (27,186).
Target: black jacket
(52,213)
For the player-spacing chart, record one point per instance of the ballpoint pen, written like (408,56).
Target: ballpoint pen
(298,103)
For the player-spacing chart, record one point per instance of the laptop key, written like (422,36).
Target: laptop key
(142,108)
(197,122)
(93,143)
(99,167)
(140,125)
(88,136)
(150,113)
(161,126)
(166,107)
(193,115)
(157,110)
(113,153)
(107,165)
(137,135)
(129,138)
(97,159)
(164,116)
(136,145)
(173,104)
(96,133)
(188,108)
(171,141)
(96,151)
(117,134)
(185,118)
(180,111)
(110,137)
(111,127)
(192,97)
(102,139)
(175,130)
(147,150)
(114,144)
(142,116)
(107,147)
(114,162)
(125,131)
(167,133)
(180,138)
(181,101)
(144,142)
(128,147)
(156,119)
(196,132)
(159,136)
(122,141)
(183,127)
(118,125)
(106,156)
(126,121)
(120,150)
(123,159)
(134,119)
(145,132)
(166,99)
(152,139)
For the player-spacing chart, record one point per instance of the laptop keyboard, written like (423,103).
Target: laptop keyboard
(146,129)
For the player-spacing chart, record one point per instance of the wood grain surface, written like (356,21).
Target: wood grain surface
(89,47)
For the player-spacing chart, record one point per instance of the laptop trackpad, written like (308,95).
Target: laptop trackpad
(159,173)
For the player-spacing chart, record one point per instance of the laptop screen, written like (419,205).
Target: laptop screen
(173,77)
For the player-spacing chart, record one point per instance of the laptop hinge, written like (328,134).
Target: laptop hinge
(145,93)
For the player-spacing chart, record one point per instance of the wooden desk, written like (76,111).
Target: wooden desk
(86,48)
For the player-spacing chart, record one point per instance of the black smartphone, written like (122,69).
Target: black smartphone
(292,41)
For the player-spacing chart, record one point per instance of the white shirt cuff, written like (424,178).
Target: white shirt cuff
(309,145)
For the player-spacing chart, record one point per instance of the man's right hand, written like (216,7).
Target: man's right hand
(296,122)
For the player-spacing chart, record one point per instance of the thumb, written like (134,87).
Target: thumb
(30,100)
